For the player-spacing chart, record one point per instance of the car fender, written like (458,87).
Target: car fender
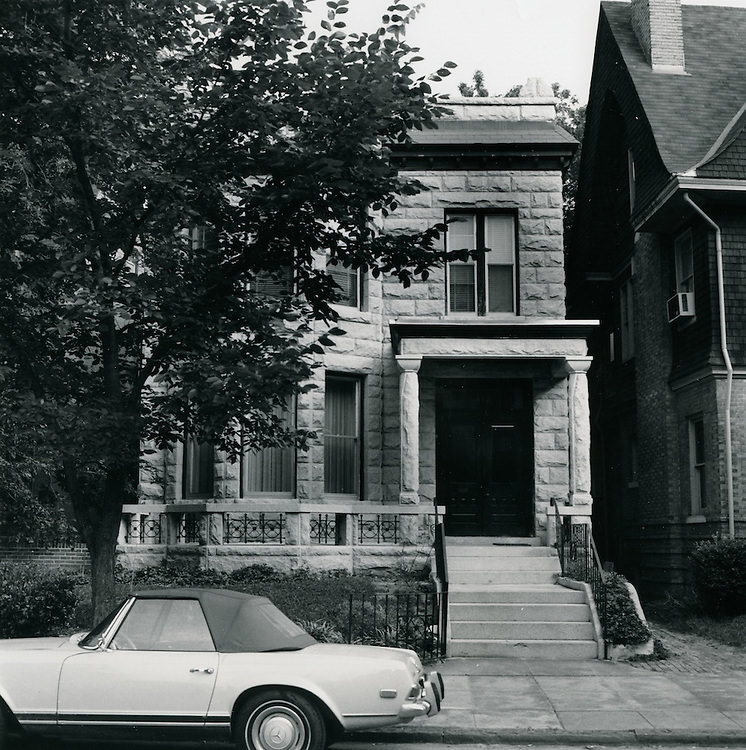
(29,674)
(348,684)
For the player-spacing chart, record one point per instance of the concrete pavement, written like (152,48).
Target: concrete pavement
(541,701)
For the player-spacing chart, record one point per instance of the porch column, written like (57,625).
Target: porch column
(579,451)
(409,428)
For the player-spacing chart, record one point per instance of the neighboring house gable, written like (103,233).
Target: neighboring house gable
(658,252)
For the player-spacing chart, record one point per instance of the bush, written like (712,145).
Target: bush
(719,568)
(35,602)
(623,624)
(322,631)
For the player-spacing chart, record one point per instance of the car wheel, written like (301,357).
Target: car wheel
(279,720)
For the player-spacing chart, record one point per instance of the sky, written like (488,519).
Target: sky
(508,40)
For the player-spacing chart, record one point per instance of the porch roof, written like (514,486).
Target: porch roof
(516,338)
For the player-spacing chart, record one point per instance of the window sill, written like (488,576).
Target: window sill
(696,519)
(352,314)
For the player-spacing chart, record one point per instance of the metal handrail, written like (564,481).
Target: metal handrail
(579,559)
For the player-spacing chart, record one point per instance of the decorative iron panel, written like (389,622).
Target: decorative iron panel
(145,530)
(378,529)
(324,529)
(253,528)
(189,528)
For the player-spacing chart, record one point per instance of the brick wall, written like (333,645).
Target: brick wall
(67,559)
(657,25)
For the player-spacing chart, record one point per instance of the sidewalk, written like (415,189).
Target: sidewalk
(699,695)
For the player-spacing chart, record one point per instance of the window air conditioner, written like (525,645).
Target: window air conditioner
(681,305)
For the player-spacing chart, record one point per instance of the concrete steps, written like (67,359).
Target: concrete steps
(504,602)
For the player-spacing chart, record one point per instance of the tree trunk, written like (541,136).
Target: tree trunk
(103,555)
(97,502)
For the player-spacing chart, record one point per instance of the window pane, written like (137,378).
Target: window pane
(462,287)
(500,289)
(270,469)
(499,239)
(199,460)
(164,625)
(684,261)
(348,280)
(341,436)
(462,231)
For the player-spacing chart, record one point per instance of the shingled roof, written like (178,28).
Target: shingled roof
(689,113)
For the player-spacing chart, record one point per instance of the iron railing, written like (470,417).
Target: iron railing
(401,620)
(324,529)
(253,528)
(579,560)
(378,529)
(146,530)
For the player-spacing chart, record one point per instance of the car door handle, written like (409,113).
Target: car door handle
(209,670)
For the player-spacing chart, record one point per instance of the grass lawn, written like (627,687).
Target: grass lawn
(685,618)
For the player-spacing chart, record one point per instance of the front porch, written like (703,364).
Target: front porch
(494,421)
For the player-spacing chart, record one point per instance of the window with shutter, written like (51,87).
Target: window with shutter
(349,282)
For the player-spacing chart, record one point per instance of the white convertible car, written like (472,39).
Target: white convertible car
(179,663)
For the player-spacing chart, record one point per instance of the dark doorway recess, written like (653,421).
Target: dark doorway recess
(485,456)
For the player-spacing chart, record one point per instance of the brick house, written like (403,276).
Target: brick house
(658,255)
(466,392)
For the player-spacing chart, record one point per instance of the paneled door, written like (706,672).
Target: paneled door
(484,456)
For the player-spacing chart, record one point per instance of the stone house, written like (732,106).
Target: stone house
(658,255)
(464,395)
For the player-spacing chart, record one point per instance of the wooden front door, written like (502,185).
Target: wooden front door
(484,457)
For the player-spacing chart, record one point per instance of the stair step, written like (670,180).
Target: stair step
(501,541)
(491,577)
(548,649)
(519,612)
(537,594)
(530,631)
(493,550)
(503,563)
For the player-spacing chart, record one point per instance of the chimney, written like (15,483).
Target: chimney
(657,25)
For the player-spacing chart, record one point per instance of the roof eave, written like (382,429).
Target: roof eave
(668,208)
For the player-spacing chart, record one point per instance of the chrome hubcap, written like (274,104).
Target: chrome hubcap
(277,727)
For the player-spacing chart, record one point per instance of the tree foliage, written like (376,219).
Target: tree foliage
(125,125)
(476,88)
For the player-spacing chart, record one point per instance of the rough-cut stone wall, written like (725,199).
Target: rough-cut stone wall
(535,196)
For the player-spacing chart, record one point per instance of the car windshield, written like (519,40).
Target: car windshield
(92,639)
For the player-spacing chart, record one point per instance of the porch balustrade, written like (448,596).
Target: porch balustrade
(281,523)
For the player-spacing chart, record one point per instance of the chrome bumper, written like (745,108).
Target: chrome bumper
(428,704)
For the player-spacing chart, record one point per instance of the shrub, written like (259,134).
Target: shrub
(35,602)
(623,624)
(719,568)
(322,631)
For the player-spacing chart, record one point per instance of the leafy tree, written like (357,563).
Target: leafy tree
(124,126)
(477,88)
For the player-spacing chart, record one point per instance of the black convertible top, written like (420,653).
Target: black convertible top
(241,622)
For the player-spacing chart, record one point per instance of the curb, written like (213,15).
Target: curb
(456,736)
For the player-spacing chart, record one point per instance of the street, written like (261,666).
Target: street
(350,744)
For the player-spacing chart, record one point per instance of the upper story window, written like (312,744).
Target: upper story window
(684,262)
(270,470)
(342,435)
(349,281)
(486,284)
(631,179)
